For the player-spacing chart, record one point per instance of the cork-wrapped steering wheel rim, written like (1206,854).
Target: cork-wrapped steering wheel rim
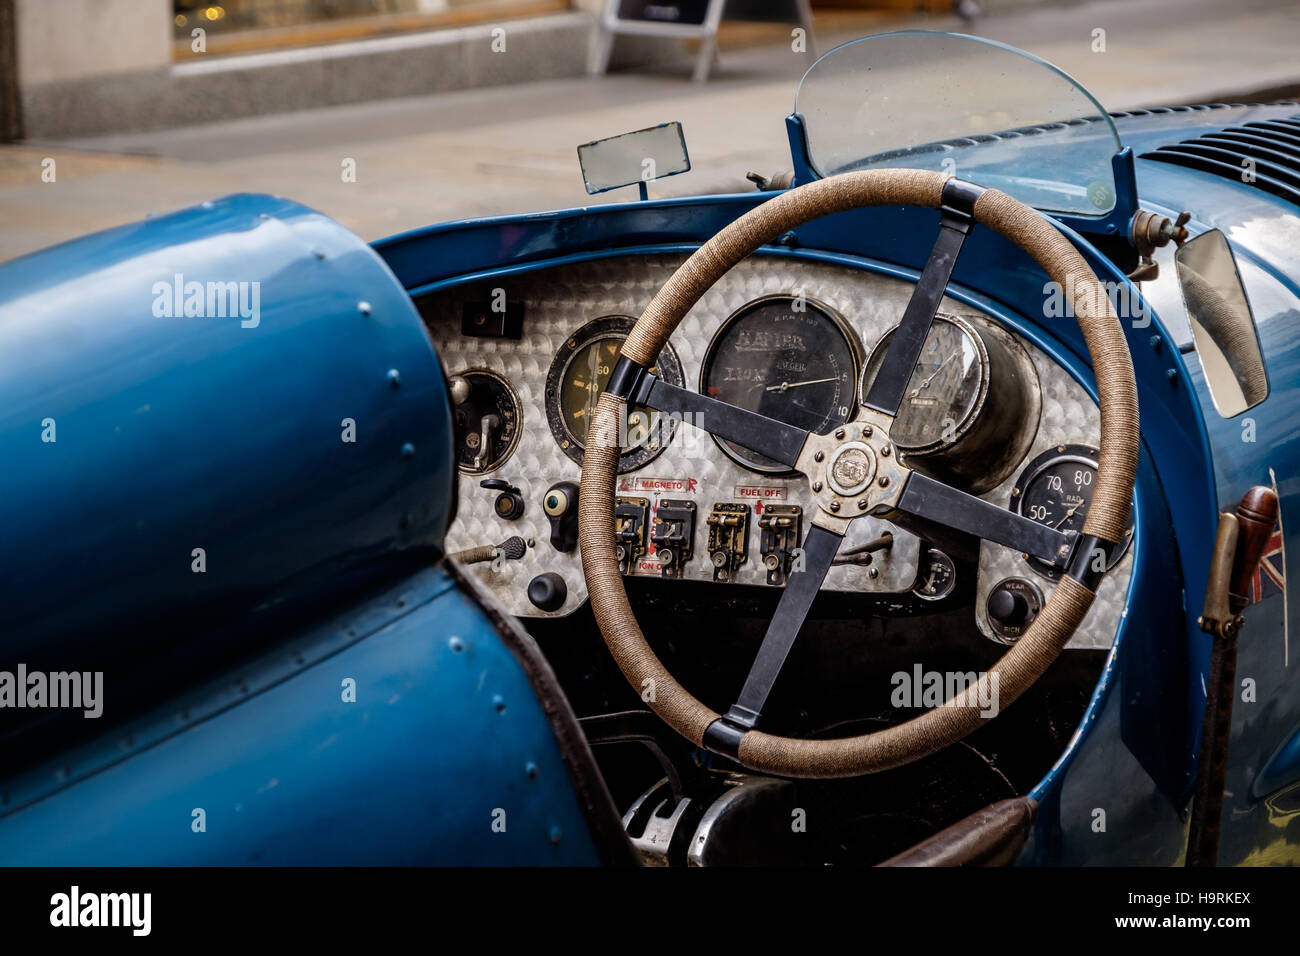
(1027,659)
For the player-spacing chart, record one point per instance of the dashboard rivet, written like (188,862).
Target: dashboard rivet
(884,450)
(835,506)
(866,431)
(839,433)
(884,481)
(873,572)
(862,504)
(817,486)
(819,456)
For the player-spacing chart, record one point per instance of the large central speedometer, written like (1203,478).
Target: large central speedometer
(788,358)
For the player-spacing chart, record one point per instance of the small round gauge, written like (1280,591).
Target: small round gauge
(1056,489)
(947,387)
(579,373)
(487,420)
(788,358)
(937,576)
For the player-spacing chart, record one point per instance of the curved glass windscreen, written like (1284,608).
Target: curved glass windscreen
(961,105)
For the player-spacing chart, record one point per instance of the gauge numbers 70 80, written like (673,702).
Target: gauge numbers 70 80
(1056,489)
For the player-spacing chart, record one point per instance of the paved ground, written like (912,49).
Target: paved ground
(510,149)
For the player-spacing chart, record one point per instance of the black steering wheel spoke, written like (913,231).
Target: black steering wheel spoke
(924,497)
(956,218)
(820,546)
(758,433)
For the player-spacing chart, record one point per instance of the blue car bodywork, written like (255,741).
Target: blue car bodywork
(322,557)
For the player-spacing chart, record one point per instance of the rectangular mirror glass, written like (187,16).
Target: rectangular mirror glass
(637,157)
(1222,324)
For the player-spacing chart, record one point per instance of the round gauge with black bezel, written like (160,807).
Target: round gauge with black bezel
(947,387)
(579,373)
(1056,489)
(789,358)
(487,420)
(971,408)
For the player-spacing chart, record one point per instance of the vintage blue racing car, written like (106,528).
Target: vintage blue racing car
(926,505)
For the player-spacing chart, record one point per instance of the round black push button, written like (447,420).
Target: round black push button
(1012,606)
(548,591)
(1008,608)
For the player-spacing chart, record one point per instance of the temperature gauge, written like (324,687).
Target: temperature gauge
(1056,489)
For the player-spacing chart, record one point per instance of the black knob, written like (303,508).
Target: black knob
(561,506)
(548,591)
(1008,608)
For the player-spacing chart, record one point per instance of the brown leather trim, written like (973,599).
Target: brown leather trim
(993,836)
(597,805)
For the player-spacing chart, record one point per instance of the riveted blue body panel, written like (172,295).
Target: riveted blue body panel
(444,757)
(182,477)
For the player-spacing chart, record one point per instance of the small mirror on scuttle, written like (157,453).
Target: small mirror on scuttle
(1222,324)
(636,157)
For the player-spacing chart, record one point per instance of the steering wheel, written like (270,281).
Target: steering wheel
(855,471)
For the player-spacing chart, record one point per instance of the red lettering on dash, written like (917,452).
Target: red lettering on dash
(673,485)
(761,492)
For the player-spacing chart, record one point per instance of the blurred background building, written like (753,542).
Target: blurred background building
(82,67)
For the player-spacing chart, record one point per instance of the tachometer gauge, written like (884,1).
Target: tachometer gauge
(788,358)
(970,411)
(579,373)
(947,387)
(1056,489)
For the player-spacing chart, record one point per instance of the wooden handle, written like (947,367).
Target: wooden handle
(1256,518)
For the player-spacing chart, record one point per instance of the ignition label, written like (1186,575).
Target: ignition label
(657,485)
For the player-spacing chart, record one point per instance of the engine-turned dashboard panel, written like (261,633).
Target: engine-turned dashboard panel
(796,340)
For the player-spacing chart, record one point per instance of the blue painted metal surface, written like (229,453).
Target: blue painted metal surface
(173,433)
(1136,749)
(1258,447)
(221,433)
(445,738)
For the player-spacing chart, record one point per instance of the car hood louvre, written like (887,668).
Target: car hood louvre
(1269,149)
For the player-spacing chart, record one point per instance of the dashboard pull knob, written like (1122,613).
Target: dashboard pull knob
(1008,608)
(547,591)
(561,506)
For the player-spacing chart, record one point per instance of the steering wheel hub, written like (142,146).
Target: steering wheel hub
(854,470)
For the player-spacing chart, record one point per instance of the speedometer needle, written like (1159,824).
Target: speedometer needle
(785,386)
(926,384)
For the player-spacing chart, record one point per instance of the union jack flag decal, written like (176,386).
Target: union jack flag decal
(1270,576)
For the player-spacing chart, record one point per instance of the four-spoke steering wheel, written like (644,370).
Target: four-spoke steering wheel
(855,471)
